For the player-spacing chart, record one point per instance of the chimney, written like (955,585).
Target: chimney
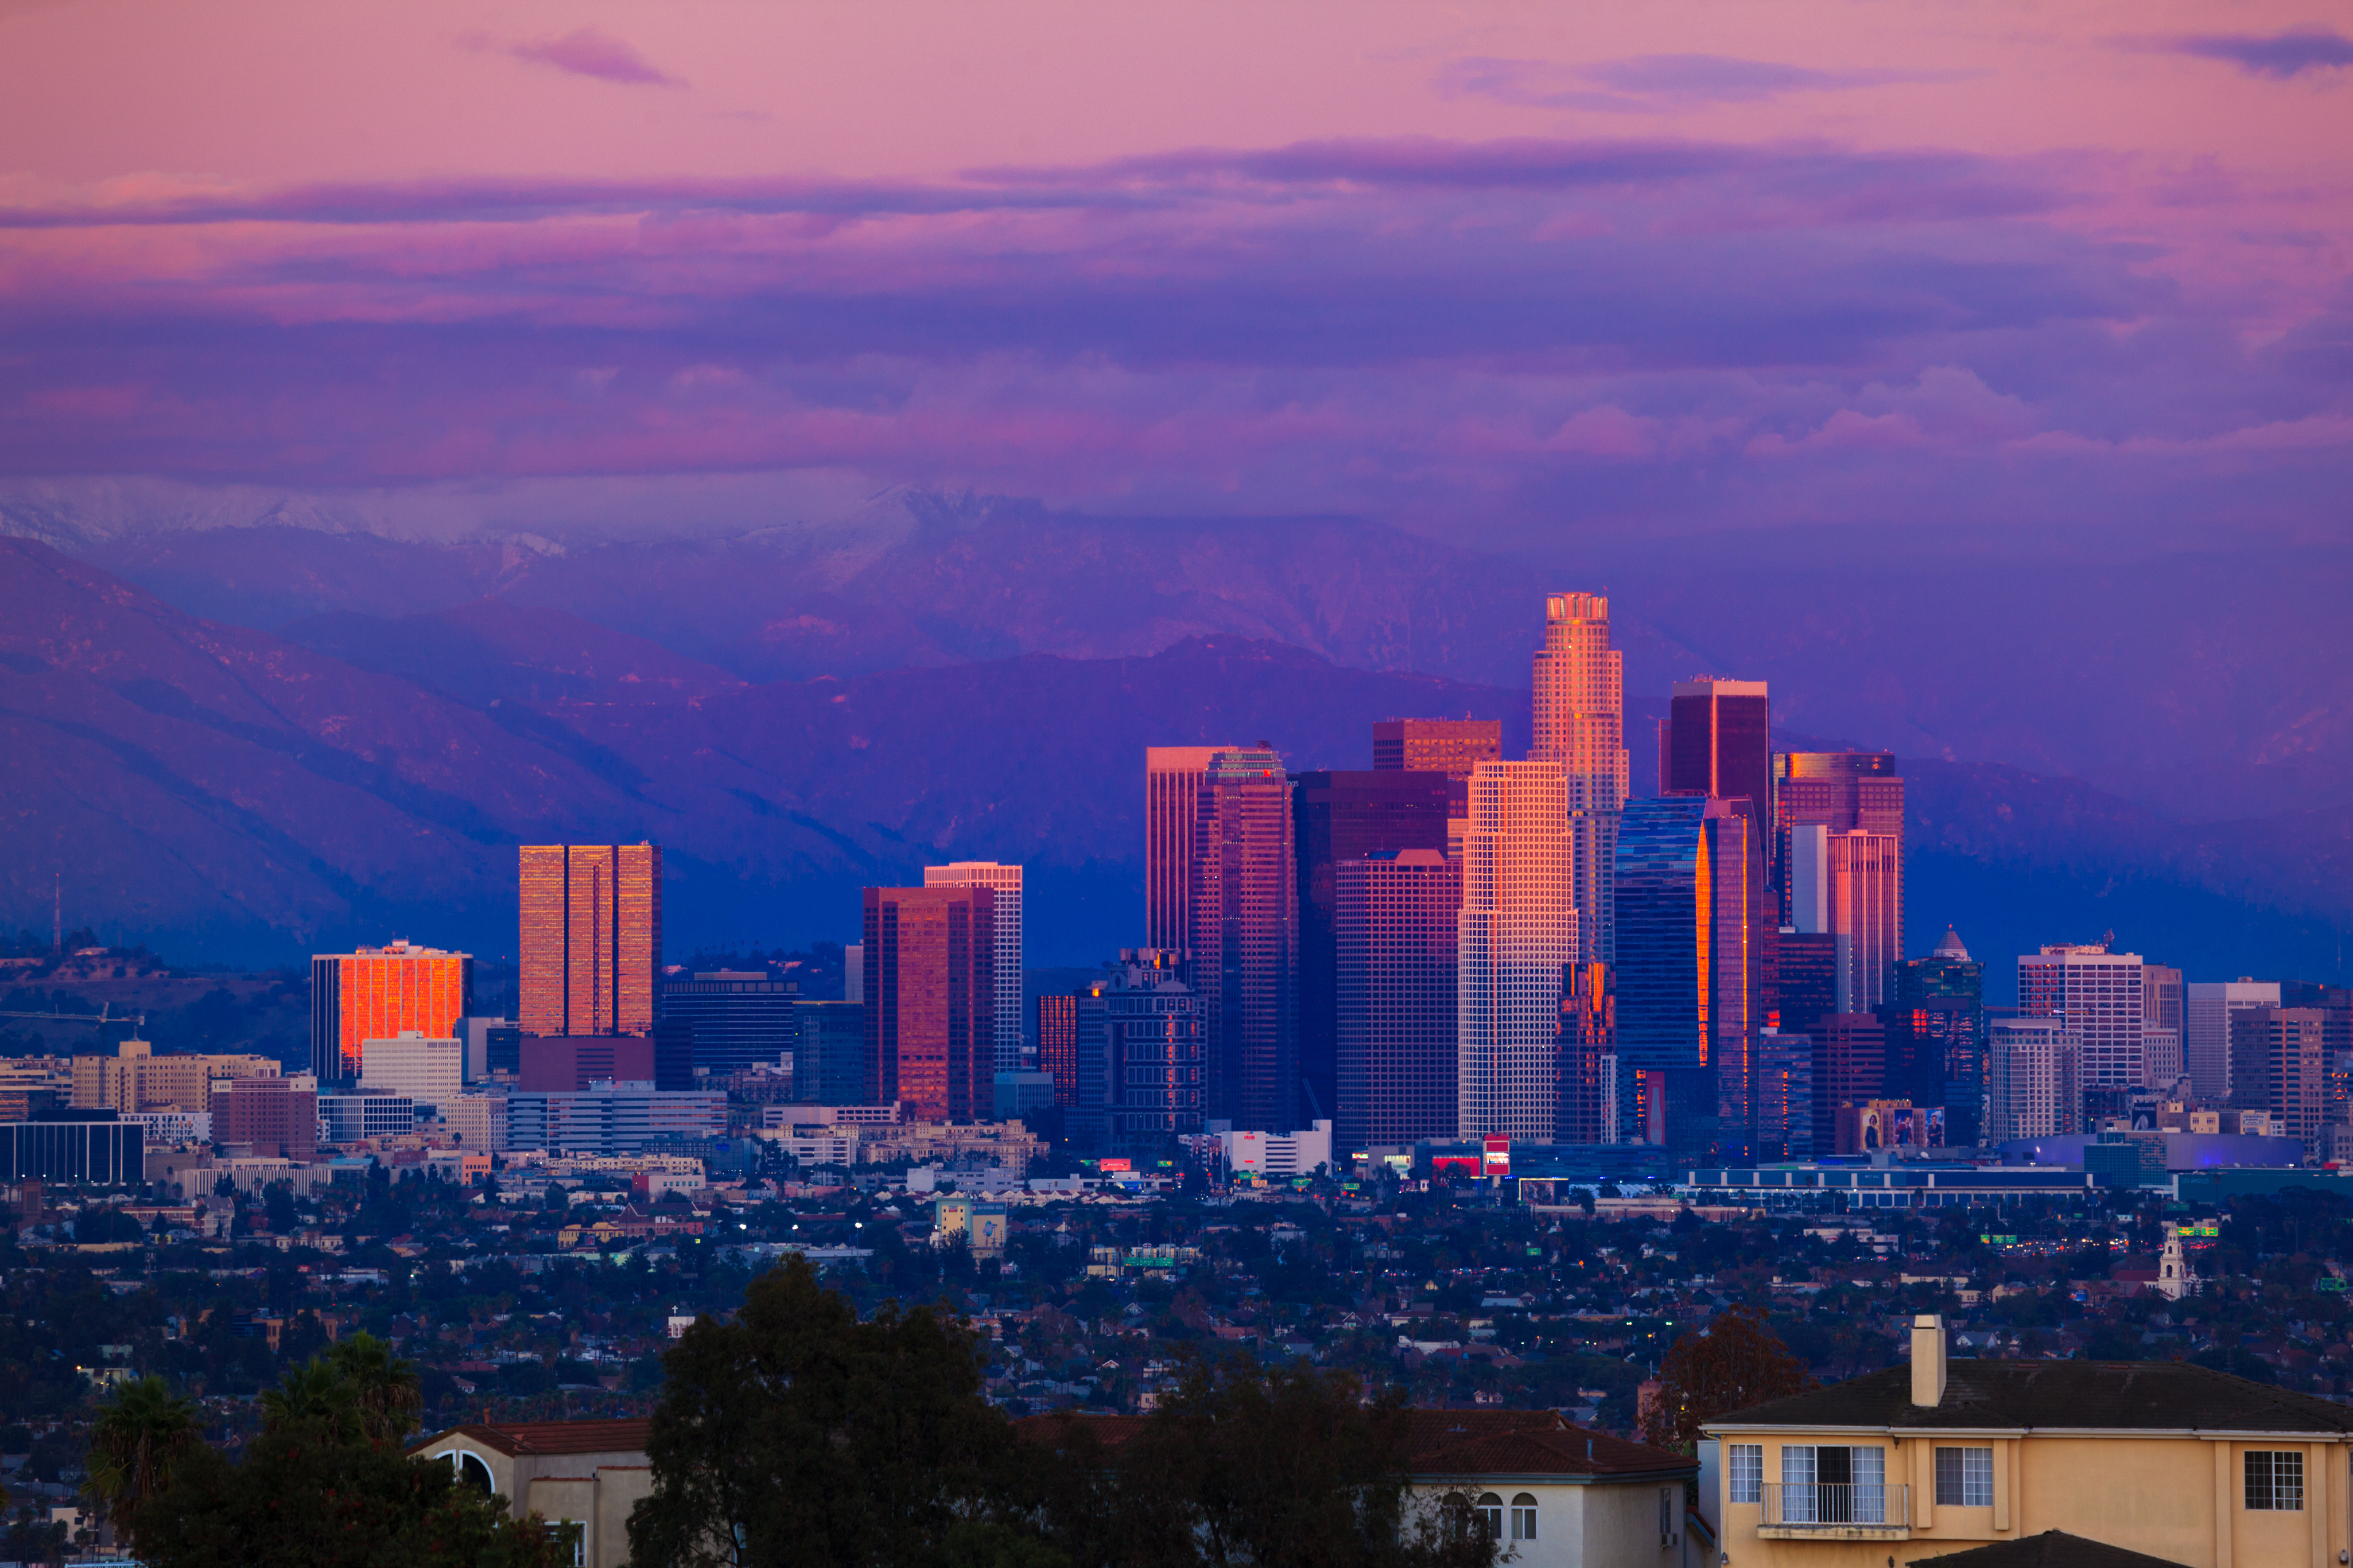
(1929,1361)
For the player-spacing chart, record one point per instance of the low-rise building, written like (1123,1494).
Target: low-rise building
(585,1473)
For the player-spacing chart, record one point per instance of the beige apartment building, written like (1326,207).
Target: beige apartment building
(2164,1458)
(134,1079)
(585,1473)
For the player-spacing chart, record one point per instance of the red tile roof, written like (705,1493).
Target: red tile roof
(520,1437)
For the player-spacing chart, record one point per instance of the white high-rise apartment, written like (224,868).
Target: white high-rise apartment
(2098,994)
(1850,886)
(2032,1088)
(414,1066)
(1005,882)
(2206,1010)
(1518,928)
(1580,724)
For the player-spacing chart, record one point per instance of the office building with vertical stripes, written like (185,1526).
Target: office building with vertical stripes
(591,938)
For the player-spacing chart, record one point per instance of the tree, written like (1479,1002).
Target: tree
(136,1446)
(1733,1362)
(798,1433)
(316,1391)
(383,1388)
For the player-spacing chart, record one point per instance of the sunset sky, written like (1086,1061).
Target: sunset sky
(1514,274)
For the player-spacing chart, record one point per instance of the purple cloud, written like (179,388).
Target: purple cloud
(584,51)
(2281,55)
(1655,84)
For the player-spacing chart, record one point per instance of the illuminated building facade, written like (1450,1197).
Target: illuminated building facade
(1589,1108)
(1936,1035)
(1717,741)
(1450,746)
(931,1001)
(591,938)
(1140,1056)
(1844,792)
(1849,886)
(1058,1045)
(380,994)
(2097,993)
(1172,805)
(1005,881)
(2032,1087)
(1579,709)
(1339,817)
(1517,932)
(1395,997)
(1240,952)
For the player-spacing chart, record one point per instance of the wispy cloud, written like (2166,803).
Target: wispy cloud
(2280,55)
(1656,84)
(584,51)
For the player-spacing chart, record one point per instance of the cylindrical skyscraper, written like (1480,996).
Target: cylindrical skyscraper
(1518,929)
(1580,724)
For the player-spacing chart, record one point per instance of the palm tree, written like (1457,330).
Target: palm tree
(134,1446)
(384,1386)
(316,1390)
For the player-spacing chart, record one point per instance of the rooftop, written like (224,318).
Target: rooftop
(520,1437)
(2124,1396)
(2052,1548)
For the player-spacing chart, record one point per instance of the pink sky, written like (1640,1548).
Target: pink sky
(1654,266)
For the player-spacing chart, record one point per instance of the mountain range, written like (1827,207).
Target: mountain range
(363,768)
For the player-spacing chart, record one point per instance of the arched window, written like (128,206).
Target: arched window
(473,1472)
(1524,1517)
(1490,1515)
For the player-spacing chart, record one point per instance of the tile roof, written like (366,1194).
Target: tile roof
(520,1437)
(2124,1396)
(1446,1442)
(2052,1548)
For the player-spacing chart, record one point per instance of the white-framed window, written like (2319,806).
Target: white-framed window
(1965,1478)
(2275,1479)
(1745,1470)
(1524,1517)
(1490,1515)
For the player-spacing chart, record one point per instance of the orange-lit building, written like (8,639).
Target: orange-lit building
(375,993)
(1057,1044)
(931,1001)
(591,938)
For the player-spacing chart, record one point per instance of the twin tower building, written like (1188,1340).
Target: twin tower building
(1455,945)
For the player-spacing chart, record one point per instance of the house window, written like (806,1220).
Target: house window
(1745,1469)
(2275,1479)
(1825,1484)
(1523,1518)
(1490,1515)
(1965,1478)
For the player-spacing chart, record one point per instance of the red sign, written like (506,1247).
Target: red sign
(1115,1164)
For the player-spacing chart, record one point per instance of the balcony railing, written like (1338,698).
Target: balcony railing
(1836,1505)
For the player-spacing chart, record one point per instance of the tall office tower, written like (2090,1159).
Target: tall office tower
(591,938)
(1936,1035)
(1694,929)
(2206,1010)
(1589,1057)
(1801,981)
(931,1001)
(1841,790)
(1785,1095)
(1058,1045)
(375,993)
(1849,888)
(1518,930)
(739,1018)
(1450,746)
(1396,915)
(1139,1047)
(2162,1045)
(1171,808)
(1579,706)
(2097,991)
(1005,882)
(2033,1086)
(2279,1063)
(1849,1068)
(1240,952)
(829,1053)
(1718,741)
(1337,818)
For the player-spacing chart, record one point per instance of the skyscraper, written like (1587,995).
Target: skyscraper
(1395,997)
(1589,1109)
(1841,790)
(1138,1045)
(2206,1010)
(829,1053)
(1518,929)
(931,1001)
(734,1019)
(1785,1095)
(1172,808)
(2097,993)
(1579,707)
(1850,1069)
(1693,926)
(2162,999)
(379,994)
(1005,881)
(1338,818)
(1448,746)
(1241,939)
(1057,1044)
(1718,741)
(1936,1035)
(1801,980)
(2033,1089)
(591,938)
(2279,1063)
(1849,886)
